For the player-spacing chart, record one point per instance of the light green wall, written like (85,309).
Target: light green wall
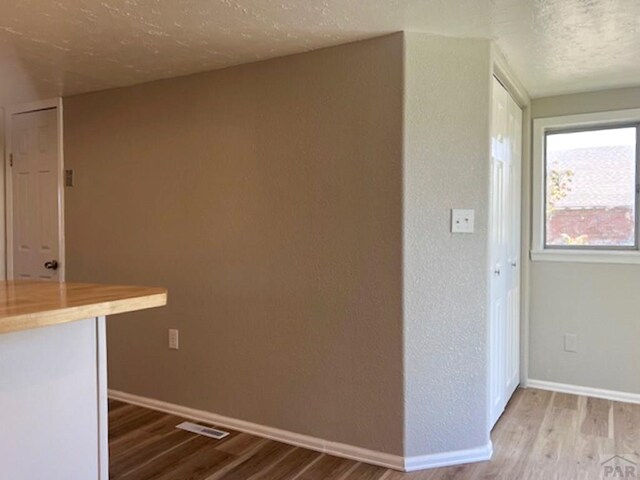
(598,302)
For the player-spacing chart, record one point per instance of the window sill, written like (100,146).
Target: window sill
(631,257)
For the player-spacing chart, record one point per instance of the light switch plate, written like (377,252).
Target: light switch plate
(462,220)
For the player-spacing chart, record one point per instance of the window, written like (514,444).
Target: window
(586,188)
(590,188)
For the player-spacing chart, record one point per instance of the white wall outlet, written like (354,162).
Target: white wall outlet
(570,342)
(462,220)
(174,339)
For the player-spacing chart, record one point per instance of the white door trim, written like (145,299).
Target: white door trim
(9,112)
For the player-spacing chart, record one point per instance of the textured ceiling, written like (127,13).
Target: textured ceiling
(53,47)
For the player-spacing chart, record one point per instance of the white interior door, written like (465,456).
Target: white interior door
(512,278)
(504,226)
(36,196)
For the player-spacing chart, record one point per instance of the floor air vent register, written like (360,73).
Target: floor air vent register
(202,430)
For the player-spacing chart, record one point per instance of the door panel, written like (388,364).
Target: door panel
(499,169)
(504,224)
(514,129)
(36,193)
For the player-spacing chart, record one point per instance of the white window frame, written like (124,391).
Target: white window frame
(540,127)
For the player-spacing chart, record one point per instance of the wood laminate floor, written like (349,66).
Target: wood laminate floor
(542,435)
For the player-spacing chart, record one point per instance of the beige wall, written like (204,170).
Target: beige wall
(598,302)
(3,242)
(268,199)
(446,165)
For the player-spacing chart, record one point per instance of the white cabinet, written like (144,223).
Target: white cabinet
(53,402)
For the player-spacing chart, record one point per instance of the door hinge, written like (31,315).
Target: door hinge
(11,159)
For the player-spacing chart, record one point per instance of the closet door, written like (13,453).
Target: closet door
(504,239)
(512,277)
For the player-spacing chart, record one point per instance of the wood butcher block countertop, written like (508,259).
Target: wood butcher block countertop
(28,304)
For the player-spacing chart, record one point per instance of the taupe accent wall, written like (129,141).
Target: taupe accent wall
(268,199)
(597,302)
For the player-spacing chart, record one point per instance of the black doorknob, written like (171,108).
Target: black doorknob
(52,265)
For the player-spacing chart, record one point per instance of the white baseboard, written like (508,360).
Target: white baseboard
(448,459)
(396,462)
(312,443)
(585,391)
